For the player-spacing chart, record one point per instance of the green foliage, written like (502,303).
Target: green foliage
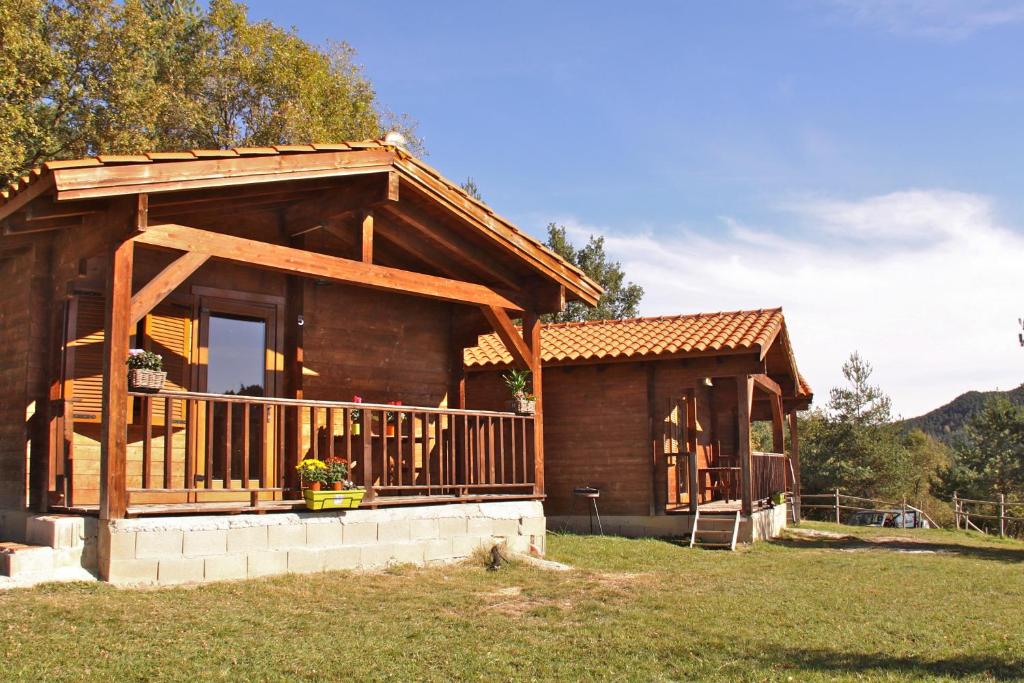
(947,422)
(853,445)
(139,359)
(990,457)
(470,188)
(80,77)
(516,381)
(621,299)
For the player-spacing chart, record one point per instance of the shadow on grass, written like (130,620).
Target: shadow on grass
(847,542)
(832,662)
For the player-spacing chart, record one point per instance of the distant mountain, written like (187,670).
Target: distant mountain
(945,422)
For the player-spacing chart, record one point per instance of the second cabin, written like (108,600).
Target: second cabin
(659,415)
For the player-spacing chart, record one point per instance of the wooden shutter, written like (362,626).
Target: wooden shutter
(168,332)
(86,361)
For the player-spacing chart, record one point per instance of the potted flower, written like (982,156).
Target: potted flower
(337,472)
(522,402)
(343,493)
(356,416)
(313,474)
(145,371)
(389,418)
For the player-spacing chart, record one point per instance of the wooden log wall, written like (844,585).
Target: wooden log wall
(597,425)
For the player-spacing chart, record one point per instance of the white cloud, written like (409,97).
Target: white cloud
(939,19)
(925,284)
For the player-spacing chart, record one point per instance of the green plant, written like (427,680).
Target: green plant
(312,471)
(336,470)
(138,359)
(516,381)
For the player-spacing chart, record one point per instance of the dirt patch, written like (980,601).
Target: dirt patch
(511,601)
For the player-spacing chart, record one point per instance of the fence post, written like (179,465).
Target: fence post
(1002,514)
(837,506)
(903,514)
(956,510)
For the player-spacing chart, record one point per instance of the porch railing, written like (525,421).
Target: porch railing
(227,448)
(769,474)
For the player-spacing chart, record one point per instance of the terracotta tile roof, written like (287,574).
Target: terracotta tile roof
(483,212)
(641,338)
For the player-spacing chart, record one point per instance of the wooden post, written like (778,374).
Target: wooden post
(531,335)
(956,510)
(903,514)
(778,441)
(794,457)
(837,506)
(367,241)
(744,396)
(1002,514)
(114,421)
(692,480)
(654,439)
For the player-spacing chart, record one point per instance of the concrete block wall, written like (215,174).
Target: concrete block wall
(760,526)
(166,551)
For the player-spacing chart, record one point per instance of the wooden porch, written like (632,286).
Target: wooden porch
(230,454)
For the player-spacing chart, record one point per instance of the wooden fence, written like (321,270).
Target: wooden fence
(968,512)
(838,504)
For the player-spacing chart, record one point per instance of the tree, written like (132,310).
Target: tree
(990,459)
(470,188)
(859,403)
(621,299)
(853,445)
(80,77)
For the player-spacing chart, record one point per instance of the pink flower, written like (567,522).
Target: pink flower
(357,399)
(394,403)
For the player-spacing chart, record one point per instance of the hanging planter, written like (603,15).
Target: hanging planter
(524,405)
(145,371)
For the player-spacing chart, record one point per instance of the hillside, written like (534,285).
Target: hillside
(946,421)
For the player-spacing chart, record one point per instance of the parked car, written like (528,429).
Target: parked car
(888,518)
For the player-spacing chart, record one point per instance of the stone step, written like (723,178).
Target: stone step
(30,564)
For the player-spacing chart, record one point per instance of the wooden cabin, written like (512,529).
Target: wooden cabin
(656,413)
(307,300)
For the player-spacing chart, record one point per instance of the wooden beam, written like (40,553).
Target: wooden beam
(170,176)
(315,265)
(367,228)
(157,289)
(510,336)
(654,440)
(24,197)
(114,421)
(461,251)
(767,383)
(531,334)
(744,394)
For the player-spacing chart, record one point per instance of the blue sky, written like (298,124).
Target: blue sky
(858,163)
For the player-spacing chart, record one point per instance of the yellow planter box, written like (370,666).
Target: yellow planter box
(333,500)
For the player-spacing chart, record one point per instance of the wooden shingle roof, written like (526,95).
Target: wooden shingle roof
(77,179)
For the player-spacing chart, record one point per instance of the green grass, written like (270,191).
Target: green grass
(854,608)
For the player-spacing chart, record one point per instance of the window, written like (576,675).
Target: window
(236,355)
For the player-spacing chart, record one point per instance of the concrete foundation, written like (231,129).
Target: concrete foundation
(175,550)
(760,526)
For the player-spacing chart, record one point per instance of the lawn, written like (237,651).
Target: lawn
(856,608)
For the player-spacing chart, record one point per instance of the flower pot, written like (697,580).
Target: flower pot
(779,498)
(149,381)
(389,430)
(336,485)
(333,500)
(313,486)
(357,429)
(524,406)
